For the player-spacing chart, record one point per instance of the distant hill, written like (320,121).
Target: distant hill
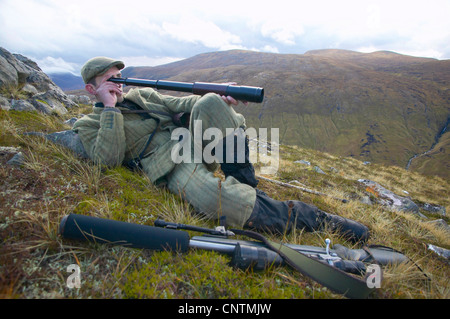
(380,107)
(67,81)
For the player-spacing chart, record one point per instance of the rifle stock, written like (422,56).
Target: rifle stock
(242,93)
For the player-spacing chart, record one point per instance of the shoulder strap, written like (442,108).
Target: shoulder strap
(146,111)
(327,275)
(131,107)
(179,119)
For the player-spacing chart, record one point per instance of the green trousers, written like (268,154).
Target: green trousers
(196,182)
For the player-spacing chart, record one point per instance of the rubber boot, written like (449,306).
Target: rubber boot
(349,228)
(270,215)
(235,159)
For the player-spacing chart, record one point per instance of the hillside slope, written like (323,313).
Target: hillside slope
(51,182)
(381,107)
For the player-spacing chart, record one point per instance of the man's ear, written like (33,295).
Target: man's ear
(90,88)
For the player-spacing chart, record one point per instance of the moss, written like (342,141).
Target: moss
(204,274)
(42,101)
(30,122)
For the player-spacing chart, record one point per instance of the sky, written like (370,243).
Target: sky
(61,35)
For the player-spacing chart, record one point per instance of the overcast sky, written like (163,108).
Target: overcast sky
(61,35)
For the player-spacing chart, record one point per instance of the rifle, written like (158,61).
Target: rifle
(254,254)
(325,265)
(242,93)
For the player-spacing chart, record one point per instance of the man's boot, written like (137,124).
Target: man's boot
(270,215)
(349,228)
(235,158)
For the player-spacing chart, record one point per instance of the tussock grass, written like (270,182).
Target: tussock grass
(14,91)
(53,183)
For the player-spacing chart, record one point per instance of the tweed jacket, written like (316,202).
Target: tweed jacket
(112,138)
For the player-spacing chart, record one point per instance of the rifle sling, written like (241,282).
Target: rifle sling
(129,107)
(327,275)
(146,111)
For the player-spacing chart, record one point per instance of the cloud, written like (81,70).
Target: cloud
(270,49)
(147,61)
(282,31)
(191,29)
(56,65)
(147,32)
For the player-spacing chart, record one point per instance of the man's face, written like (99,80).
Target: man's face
(100,80)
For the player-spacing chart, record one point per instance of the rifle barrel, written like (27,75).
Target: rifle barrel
(239,92)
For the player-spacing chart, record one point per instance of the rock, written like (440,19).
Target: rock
(435,209)
(12,72)
(366,200)
(82,99)
(440,251)
(17,160)
(440,223)
(4,103)
(29,89)
(68,139)
(71,121)
(8,150)
(303,162)
(49,102)
(21,105)
(318,170)
(20,74)
(333,169)
(42,106)
(387,198)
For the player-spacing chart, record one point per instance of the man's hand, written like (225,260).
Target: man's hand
(108,93)
(229,99)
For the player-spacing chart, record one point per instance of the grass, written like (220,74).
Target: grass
(53,182)
(13,91)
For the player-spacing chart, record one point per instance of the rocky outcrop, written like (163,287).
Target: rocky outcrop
(24,86)
(80,99)
(394,202)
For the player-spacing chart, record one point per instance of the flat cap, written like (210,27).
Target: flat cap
(98,66)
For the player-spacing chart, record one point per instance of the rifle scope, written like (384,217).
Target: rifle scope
(242,93)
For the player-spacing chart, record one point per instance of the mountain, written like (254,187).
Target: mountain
(380,107)
(67,81)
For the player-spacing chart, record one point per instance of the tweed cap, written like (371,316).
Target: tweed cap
(98,66)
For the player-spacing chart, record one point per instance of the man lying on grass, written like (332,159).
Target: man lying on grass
(115,134)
